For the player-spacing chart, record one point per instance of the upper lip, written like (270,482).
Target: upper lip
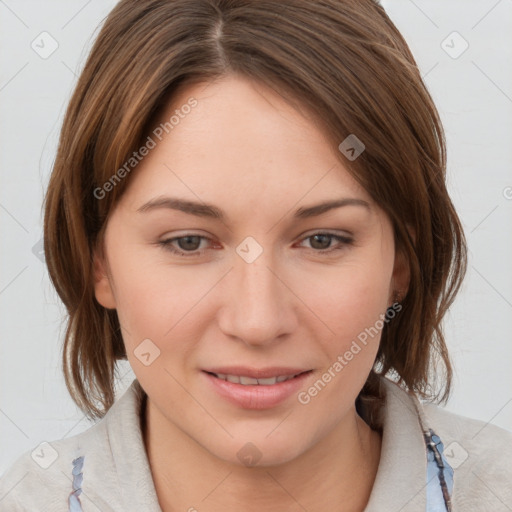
(257,373)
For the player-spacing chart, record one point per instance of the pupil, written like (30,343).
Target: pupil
(184,242)
(326,238)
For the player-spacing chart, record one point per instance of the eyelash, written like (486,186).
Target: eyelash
(166,244)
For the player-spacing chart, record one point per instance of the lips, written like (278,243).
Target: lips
(252,388)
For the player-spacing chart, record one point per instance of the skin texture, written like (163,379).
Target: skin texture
(247,151)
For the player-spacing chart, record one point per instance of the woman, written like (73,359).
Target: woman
(249,205)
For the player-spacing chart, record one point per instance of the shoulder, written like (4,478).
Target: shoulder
(44,477)
(480,454)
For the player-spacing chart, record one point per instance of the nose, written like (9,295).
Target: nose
(258,306)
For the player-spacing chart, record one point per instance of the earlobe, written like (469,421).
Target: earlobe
(401,270)
(401,276)
(102,285)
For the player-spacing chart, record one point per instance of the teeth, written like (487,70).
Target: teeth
(267,382)
(250,381)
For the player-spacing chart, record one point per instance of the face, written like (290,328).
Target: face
(251,279)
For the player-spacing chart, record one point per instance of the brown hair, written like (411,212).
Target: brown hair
(344,61)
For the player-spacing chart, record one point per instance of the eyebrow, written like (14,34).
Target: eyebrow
(211,211)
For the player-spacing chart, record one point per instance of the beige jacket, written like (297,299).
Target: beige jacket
(105,468)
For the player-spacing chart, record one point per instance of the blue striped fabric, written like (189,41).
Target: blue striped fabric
(78,477)
(439,475)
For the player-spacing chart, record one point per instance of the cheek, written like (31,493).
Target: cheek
(155,299)
(351,305)
(143,295)
(353,311)
(350,298)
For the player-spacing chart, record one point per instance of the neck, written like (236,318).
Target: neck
(340,469)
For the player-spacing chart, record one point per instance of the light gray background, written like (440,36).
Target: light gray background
(473,93)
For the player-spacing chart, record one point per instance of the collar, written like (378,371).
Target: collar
(129,453)
(400,483)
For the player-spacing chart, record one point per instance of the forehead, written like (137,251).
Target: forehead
(241,142)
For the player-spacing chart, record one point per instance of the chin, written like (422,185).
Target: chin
(258,452)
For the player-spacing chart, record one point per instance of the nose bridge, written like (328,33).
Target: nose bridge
(257,307)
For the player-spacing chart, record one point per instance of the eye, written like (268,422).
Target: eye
(188,245)
(321,242)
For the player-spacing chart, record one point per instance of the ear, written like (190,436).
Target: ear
(401,271)
(102,284)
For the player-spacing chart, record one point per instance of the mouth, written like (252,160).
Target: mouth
(262,392)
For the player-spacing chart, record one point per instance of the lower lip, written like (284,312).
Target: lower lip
(256,396)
